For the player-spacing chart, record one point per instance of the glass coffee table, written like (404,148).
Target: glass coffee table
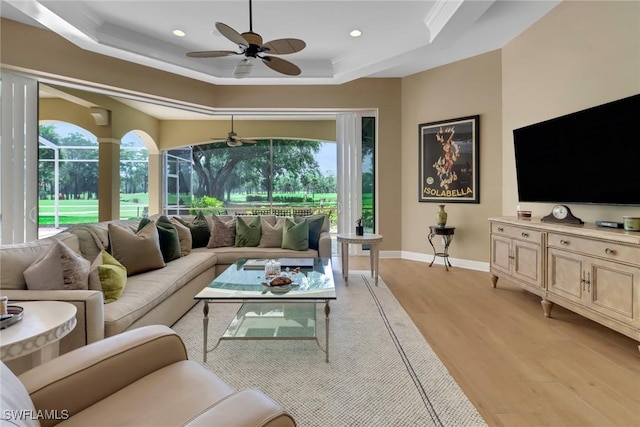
(274,313)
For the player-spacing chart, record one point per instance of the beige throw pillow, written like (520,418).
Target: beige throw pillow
(271,234)
(138,252)
(60,267)
(184,235)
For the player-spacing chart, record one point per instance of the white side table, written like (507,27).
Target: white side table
(43,325)
(368,238)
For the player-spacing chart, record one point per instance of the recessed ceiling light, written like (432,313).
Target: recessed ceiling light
(179,33)
(355,33)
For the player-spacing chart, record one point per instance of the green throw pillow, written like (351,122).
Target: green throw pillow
(295,236)
(168,235)
(248,235)
(110,276)
(315,228)
(199,230)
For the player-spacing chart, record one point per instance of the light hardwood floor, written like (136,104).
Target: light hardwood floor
(516,366)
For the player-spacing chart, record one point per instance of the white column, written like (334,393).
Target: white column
(349,139)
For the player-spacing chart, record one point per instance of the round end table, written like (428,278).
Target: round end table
(374,252)
(43,325)
(447,236)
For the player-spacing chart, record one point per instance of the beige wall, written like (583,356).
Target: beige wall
(466,88)
(178,133)
(580,55)
(41,53)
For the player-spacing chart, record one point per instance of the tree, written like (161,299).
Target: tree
(81,176)
(134,169)
(221,170)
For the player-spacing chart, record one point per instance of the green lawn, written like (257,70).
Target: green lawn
(132,205)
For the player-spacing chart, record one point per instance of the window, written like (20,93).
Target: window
(134,177)
(178,181)
(368,173)
(67,176)
(280,176)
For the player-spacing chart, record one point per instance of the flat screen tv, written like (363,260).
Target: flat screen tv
(590,156)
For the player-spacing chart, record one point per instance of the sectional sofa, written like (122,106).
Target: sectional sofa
(158,296)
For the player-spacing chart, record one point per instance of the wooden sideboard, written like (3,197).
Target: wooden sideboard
(590,270)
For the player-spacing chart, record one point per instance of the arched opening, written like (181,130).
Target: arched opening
(67,176)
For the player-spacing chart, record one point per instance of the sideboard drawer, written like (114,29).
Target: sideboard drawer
(601,249)
(516,232)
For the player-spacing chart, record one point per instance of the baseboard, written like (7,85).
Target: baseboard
(426,258)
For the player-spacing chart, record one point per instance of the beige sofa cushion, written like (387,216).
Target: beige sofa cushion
(184,235)
(59,267)
(271,233)
(94,237)
(231,254)
(15,259)
(147,290)
(138,252)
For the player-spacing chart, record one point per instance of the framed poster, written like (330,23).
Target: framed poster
(448,161)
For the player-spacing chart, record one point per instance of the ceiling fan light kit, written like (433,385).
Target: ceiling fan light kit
(251,46)
(243,69)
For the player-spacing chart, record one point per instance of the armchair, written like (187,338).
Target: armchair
(137,378)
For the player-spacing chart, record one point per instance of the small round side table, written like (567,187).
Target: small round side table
(43,325)
(368,238)
(447,236)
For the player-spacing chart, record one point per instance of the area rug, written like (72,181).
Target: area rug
(381,371)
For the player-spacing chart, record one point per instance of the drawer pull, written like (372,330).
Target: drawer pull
(564,242)
(525,234)
(500,229)
(609,251)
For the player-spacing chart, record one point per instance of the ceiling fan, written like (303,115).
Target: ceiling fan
(251,46)
(232,139)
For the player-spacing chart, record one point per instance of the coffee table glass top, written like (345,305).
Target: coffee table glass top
(236,283)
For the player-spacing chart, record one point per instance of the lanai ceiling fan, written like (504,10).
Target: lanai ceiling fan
(251,46)
(232,139)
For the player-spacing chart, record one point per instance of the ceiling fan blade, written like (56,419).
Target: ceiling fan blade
(247,141)
(284,46)
(281,66)
(211,53)
(231,34)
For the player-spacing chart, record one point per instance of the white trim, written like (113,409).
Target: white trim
(426,258)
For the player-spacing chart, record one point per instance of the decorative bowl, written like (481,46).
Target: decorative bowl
(15,313)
